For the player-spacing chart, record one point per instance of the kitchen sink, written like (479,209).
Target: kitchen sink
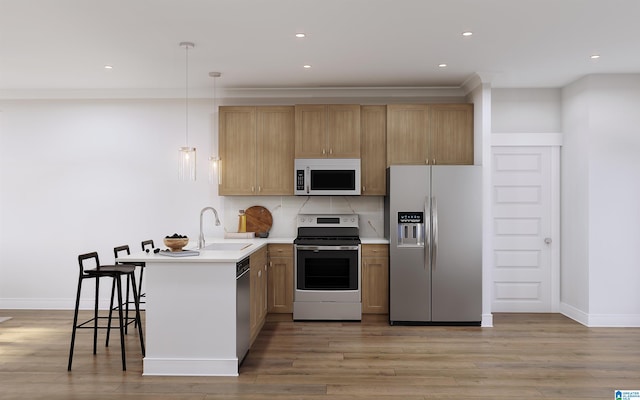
(227,246)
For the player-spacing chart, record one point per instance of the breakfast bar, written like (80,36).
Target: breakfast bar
(191,309)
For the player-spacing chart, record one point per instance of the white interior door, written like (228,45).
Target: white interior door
(525,272)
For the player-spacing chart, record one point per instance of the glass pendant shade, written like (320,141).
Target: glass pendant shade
(187,163)
(213,169)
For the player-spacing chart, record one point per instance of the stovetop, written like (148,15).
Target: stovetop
(328,229)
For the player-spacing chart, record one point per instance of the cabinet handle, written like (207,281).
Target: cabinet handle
(364,189)
(259,273)
(324,152)
(252,189)
(330,151)
(259,188)
(220,172)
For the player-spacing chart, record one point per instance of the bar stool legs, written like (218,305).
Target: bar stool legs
(110,271)
(124,319)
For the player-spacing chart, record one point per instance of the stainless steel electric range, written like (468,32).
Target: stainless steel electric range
(327,268)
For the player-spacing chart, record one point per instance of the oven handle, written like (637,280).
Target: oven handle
(316,248)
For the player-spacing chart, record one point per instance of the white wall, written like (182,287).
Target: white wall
(526,111)
(601,197)
(79,176)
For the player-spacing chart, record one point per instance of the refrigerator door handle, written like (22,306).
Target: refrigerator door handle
(434,253)
(427,233)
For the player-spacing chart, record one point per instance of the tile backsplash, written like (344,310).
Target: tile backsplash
(284,210)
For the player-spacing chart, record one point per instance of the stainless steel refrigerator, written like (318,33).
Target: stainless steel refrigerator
(433,220)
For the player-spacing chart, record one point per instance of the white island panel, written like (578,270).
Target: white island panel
(190,318)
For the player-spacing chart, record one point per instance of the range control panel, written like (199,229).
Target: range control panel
(328,220)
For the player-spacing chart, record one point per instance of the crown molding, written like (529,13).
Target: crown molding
(238,93)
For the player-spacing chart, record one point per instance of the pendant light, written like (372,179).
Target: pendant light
(214,160)
(187,154)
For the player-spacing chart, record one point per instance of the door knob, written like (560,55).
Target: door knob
(547,240)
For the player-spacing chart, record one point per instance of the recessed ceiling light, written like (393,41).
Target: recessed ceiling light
(108,67)
(443,65)
(467,33)
(595,56)
(306,66)
(300,35)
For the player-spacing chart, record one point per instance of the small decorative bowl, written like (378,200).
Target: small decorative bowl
(176,244)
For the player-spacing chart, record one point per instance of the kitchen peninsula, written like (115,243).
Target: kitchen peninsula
(190,308)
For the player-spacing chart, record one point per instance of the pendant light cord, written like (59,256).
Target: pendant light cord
(186,101)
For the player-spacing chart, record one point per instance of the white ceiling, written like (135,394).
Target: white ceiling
(64,44)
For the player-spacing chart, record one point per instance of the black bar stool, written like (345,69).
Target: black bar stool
(116,253)
(147,245)
(96,272)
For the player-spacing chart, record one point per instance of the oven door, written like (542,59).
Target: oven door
(327,273)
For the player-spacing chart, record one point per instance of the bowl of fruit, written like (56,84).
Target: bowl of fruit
(176,242)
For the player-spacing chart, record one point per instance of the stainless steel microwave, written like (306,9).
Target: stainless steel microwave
(327,177)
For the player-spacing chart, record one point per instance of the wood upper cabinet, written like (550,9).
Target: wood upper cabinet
(237,145)
(280,278)
(451,131)
(327,131)
(256,150)
(275,147)
(407,134)
(258,292)
(373,150)
(429,134)
(375,279)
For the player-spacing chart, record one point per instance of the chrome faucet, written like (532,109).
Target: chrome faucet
(201,238)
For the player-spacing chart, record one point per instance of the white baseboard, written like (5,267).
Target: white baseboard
(52,304)
(487,321)
(600,320)
(614,320)
(574,313)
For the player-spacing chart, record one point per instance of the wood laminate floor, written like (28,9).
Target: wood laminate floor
(525,356)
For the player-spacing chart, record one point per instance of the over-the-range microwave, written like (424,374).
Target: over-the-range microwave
(327,176)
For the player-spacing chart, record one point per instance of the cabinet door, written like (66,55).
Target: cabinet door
(373,150)
(407,134)
(451,130)
(280,277)
(311,131)
(258,265)
(343,131)
(275,148)
(237,144)
(375,279)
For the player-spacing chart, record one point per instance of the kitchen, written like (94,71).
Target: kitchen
(96,171)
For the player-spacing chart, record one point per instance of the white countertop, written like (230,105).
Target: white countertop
(223,256)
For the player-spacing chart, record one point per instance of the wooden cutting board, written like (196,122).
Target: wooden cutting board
(259,219)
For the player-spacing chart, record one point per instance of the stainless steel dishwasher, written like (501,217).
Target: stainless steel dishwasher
(243,307)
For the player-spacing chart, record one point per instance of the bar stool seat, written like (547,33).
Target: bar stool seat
(98,272)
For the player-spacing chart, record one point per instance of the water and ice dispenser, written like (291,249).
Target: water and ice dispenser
(411,229)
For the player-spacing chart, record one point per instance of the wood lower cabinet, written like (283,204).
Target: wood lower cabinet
(375,279)
(419,134)
(258,292)
(280,278)
(327,131)
(256,150)
(373,150)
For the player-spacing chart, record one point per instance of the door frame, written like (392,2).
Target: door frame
(553,141)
